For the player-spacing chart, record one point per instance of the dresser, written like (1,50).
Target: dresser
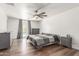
(4,40)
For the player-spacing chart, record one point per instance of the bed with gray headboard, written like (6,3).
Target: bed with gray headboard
(43,39)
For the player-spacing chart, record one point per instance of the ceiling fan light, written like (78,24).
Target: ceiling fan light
(36,11)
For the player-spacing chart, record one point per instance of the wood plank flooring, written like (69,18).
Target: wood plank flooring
(21,47)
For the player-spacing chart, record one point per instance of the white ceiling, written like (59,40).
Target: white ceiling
(31,7)
(25,9)
(53,8)
(56,8)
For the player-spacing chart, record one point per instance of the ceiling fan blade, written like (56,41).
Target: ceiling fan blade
(41,16)
(36,11)
(43,13)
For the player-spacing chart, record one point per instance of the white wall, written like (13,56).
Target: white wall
(13,27)
(62,24)
(3,21)
(35,24)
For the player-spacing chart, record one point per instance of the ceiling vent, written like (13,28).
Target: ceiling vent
(12,4)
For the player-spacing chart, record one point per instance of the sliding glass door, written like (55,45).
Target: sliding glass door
(25,28)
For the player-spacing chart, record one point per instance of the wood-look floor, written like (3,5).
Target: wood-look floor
(20,47)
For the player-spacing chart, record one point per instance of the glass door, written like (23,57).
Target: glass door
(24,28)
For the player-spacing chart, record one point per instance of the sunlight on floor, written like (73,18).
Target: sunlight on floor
(23,45)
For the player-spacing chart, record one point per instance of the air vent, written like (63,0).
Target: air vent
(12,4)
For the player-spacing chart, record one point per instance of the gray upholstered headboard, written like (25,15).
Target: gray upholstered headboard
(35,30)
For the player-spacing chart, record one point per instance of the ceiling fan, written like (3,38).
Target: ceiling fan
(39,15)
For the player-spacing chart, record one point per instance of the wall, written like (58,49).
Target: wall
(12,27)
(12,11)
(3,21)
(35,24)
(62,24)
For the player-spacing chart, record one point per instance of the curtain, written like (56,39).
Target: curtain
(19,36)
(29,26)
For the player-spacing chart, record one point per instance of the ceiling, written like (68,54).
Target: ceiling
(31,7)
(54,8)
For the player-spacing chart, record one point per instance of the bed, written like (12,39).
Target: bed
(40,40)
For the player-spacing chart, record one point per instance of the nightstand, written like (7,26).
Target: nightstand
(66,41)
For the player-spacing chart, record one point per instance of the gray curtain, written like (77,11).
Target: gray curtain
(19,36)
(29,26)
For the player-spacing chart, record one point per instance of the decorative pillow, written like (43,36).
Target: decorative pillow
(57,38)
(47,34)
(68,36)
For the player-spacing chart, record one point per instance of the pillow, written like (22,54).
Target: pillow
(57,38)
(68,36)
(47,34)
